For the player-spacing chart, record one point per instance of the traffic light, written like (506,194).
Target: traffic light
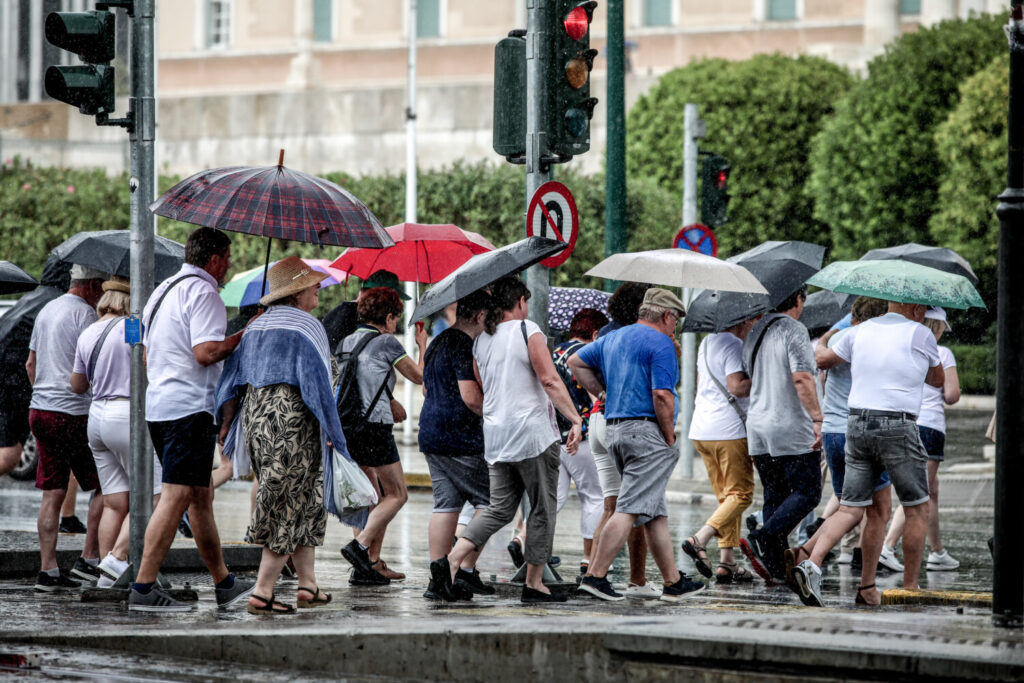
(714,200)
(570,106)
(90,35)
(509,139)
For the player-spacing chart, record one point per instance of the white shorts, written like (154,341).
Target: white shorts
(110,440)
(581,469)
(607,475)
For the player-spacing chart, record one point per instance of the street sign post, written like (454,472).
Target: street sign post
(696,237)
(552,213)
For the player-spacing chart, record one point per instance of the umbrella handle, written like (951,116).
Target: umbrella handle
(266,264)
(280,158)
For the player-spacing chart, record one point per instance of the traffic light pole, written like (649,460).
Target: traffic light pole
(538,278)
(142,186)
(688,375)
(615,237)
(1008,553)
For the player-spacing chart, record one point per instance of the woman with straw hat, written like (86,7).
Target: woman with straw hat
(277,387)
(103,364)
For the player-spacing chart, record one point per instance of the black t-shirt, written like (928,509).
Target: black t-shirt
(340,322)
(447,426)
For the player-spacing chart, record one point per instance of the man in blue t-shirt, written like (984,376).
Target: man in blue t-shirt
(451,437)
(640,370)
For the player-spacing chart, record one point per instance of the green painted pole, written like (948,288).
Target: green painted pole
(615,179)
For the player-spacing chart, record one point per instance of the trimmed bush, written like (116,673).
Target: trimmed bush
(976,368)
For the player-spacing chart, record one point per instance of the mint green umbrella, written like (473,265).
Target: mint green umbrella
(900,281)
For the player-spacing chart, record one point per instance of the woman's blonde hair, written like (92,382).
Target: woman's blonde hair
(936,326)
(114,302)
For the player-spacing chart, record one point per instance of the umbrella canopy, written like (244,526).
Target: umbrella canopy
(110,251)
(273,201)
(714,311)
(825,309)
(422,253)
(899,281)
(13,279)
(941,258)
(245,289)
(677,268)
(482,270)
(565,302)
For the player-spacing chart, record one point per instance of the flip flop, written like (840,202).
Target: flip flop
(694,549)
(319,599)
(269,606)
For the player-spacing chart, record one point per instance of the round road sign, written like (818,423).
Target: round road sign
(552,214)
(697,237)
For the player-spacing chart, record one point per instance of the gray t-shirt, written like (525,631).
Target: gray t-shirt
(376,362)
(777,422)
(54,338)
(835,407)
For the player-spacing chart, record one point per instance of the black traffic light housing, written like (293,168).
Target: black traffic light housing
(714,193)
(509,139)
(570,106)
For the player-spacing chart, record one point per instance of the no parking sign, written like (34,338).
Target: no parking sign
(697,237)
(552,214)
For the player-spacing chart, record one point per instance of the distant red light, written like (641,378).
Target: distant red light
(723,177)
(577,23)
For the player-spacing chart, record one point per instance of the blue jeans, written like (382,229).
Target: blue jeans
(792,488)
(834,445)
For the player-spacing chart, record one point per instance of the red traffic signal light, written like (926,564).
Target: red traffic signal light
(577,21)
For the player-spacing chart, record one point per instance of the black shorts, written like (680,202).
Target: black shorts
(185,447)
(13,423)
(373,445)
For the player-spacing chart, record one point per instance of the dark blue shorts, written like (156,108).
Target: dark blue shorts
(934,443)
(185,447)
(373,445)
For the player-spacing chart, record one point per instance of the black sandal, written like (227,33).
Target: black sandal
(269,606)
(319,599)
(694,549)
(859,600)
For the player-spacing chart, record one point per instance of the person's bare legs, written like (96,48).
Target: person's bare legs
(871,538)
(91,547)
(614,535)
(832,531)
(896,528)
(913,543)
(637,540)
(163,525)
(304,560)
(67,508)
(271,564)
(659,541)
(10,456)
(392,484)
(934,538)
(440,531)
(122,546)
(830,507)
(113,521)
(204,528)
(47,524)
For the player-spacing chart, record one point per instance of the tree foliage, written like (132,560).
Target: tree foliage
(875,164)
(761,114)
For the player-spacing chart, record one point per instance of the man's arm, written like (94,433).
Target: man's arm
(804,383)
(936,376)
(738,384)
(665,410)
(211,352)
(585,375)
(79,383)
(30,367)
(471,395)
(544,367)
(826,358)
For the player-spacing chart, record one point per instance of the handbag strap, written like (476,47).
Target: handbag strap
(94,356)
(725,392)
(163,296)
(757,346)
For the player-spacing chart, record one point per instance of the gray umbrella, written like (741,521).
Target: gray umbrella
(109,251)
(13,279)
(940,258)
(825,309)
(782,267)
(483,269)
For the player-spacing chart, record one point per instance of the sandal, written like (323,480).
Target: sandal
(269,606)
(733,573)
(319,599)
(859,600)
(695,550)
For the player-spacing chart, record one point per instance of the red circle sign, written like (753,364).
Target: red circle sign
(552,214)
(697,237)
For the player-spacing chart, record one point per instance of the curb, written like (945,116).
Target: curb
(18,564)
(902,596)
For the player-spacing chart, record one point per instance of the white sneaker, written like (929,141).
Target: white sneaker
(648,591)
(941,562)
(111,569)
(889,560)
(844,558)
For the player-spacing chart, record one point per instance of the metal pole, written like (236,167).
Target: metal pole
(688,369)
(615,238)
(1008,560)
(538,278)
(410,215)
(143,172)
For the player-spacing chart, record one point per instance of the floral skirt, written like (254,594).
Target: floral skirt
(283,438)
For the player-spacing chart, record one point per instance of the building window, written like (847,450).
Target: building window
(658,12)
(428,18)
(323,20)
(910,6)
(218,23)
(782,10)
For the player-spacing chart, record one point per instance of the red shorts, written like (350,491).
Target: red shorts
(63,444)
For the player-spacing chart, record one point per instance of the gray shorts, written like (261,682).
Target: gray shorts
(645,462)
(458,479)
(877,444)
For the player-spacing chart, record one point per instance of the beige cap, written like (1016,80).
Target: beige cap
(657,296)
(290,276)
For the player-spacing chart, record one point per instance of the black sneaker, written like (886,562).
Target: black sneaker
(54,584)
(683,588)
(85,571)
(472,580)
(358,557)
(752,523)
(600,588)
(532,595)
(753,548)
(358,577)
(515,551)
(184,526)
(440,586)
(555,562)
(813,527)
(71,525)
(857,563)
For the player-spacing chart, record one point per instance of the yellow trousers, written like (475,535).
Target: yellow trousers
(732,477)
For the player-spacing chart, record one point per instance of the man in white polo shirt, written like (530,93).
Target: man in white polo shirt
(891,358)
(184,336)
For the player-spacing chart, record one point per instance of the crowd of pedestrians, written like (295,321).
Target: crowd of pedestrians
(506,426)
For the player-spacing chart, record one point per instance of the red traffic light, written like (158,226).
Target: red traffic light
(577,21)
(721,180)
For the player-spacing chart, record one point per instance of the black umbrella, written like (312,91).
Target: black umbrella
(941,258)
(825,309)
(782,267)
(13,279)
(483,269)
(110,251)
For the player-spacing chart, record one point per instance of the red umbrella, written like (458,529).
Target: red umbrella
(422,253)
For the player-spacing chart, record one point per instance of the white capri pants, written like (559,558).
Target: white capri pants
(110,440)
(607,474)
(581,469)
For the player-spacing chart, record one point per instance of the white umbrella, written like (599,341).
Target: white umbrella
(678,268)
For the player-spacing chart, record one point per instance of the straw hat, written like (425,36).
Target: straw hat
(290,276)
(117,284)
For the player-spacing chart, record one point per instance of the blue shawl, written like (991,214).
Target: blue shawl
(286,346)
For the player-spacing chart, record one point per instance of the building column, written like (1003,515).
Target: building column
(934,11)
(305,70)
(8,58)
(35,52)
(881,22)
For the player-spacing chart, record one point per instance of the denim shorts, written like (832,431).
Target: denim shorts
(934,443)
(892,444)
(458,479)
(834,445)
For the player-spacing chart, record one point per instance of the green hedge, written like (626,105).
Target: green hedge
(976,367)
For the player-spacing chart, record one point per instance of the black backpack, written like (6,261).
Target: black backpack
(579,395)
(348,398)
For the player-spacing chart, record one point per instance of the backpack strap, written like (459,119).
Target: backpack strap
(522,328)
(163,296)
(757,346)
(725,392)
(356,350)
(94,356)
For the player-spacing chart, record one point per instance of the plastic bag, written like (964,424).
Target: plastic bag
(353,491)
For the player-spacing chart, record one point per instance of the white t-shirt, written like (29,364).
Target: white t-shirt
(889,358)
(933,411)
(519,420)
(192,313)
(54,337)
(714,418)
(112,376)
